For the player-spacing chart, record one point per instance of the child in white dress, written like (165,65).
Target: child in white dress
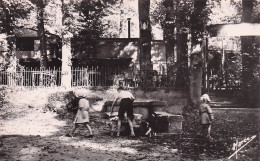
(82,117)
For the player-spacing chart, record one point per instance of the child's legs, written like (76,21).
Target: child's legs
(130,115)
(118,126)
(131,126)
(121,113)
(74,126)
(112,128)
(89,128)
(209,129)
(204,129)
(153,122)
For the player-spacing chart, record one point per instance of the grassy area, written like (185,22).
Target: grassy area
(229,125)
(239,123)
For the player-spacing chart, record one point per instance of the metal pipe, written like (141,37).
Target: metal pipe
(129,27)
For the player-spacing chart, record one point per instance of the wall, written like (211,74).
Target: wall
(128,48)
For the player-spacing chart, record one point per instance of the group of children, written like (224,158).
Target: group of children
(126,99)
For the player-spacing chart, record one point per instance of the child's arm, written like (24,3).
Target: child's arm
(112,107)
(92,108)
(132,96)
(210,113)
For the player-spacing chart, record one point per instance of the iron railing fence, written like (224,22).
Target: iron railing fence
(95,76)
(110,76)
(31,78)
(80,77)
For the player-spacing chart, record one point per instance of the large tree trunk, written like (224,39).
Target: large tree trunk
(66,63)
(146,66)
(41,34)
(196,63)
(171,64)
(197,30)
(66,55)
(182,62)
(169,38)
(250,59)
(190,114)
(182,49)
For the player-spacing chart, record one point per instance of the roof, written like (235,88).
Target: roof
(27,32)
(241,29)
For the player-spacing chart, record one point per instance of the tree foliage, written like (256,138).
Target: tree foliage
(225,12)
(114,18)
(187,15)
(12,13)
(84,41)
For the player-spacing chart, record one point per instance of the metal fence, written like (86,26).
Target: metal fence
(111,76)
(80,77)
(96,76)
(31,78)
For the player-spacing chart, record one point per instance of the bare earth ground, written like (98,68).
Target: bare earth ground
(28,132)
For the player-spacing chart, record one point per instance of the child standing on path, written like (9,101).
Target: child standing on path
(82,117)
(206,116)
(126,105)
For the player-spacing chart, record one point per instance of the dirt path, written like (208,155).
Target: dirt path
(34,135)
(29,133)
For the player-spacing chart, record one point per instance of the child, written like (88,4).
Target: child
(206,116)
(151,127)
(126,105)
(82,117)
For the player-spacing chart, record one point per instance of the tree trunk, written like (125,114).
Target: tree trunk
(66,63)
(182,62)
(205,66)
(190,112)
(196,61)
(250,59)
(171,65)
(121,19)
(170,42)
(146,66)
(66,55)
(182,49)
(42,36)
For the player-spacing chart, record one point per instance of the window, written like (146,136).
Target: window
(25,44)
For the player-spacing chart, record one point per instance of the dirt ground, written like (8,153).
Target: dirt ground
(30,133)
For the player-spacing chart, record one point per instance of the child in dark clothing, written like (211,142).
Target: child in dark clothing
(126,106)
